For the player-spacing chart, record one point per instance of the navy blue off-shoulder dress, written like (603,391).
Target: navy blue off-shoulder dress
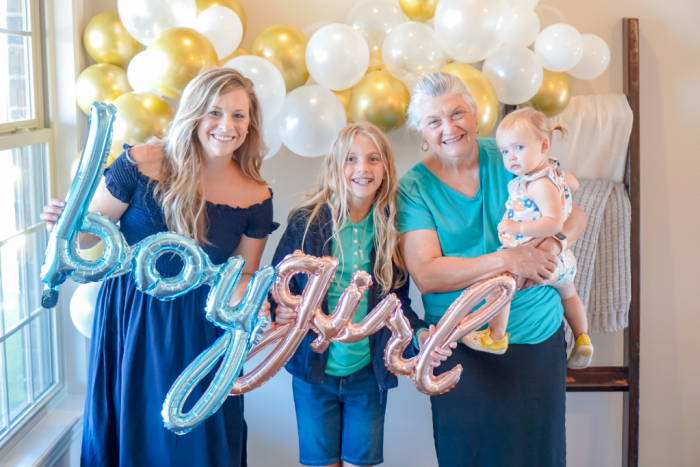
(140,345)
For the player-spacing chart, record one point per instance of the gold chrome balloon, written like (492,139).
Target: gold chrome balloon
(76,163)
(103,82)
(381,99)
(175,57)
(94,253)
(107,41)
(285,47)
(381,67)
(344,97)
(236,53)
(554,94)
(140,115)
(418,10)
(483,92)
(235,5)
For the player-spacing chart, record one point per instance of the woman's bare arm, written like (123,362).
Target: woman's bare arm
(251,249)
(434,273)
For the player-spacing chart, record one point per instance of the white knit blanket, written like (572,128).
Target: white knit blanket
(599,133)
(602,254)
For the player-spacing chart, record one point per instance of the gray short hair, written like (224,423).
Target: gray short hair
(435,85)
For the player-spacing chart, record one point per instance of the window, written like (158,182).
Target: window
(28,355)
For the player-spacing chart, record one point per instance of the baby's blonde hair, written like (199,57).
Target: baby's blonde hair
(531,119)
(332,191)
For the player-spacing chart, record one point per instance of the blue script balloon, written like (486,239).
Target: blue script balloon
(243,329)
(62,259)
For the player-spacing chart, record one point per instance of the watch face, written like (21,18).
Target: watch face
(560,236)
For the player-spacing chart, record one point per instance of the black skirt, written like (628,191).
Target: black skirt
(506,409)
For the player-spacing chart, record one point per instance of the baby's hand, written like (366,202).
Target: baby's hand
(509,226)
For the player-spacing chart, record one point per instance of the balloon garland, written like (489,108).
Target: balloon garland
(337,57)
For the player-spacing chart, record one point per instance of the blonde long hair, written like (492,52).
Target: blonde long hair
(534,120)
(333,191)
(178,189)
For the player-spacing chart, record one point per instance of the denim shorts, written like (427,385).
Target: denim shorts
(341,419)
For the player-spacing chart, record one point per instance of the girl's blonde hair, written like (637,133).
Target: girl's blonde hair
(178,189)
(333,191)
(531,119)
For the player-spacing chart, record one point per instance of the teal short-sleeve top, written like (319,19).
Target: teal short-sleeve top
(466,228)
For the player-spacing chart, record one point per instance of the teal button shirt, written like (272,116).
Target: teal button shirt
(466,228)
(356,242)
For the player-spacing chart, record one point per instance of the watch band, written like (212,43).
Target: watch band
(561,238)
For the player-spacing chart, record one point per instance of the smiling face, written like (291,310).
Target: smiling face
(363,170)
(448,124)
(524,152)
(225,126)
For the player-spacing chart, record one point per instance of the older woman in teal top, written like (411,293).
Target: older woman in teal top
(507,409)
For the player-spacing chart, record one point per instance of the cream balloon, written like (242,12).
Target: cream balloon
(523,27)
(471,30)
(548,16)
(374,19)
(559,47)
(82,307)
(515,73)
(271,136)
(222,27)
(529,4)
(267,81)
(310,119)
(595,60)
(137,74)
(146,19)
(311,29)
(411,51)
(337,57)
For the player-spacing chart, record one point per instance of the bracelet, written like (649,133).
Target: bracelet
(561,238)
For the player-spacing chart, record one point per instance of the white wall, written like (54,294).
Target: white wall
(670,93)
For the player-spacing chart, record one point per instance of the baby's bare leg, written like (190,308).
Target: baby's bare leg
(574,311)
(499,323)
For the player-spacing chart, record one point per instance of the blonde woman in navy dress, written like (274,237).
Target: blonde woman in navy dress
(203,181)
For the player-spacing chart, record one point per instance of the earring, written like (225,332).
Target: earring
(477,128)
(424,146)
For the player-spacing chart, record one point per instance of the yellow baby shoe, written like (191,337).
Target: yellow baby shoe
(482,341)
(582,353)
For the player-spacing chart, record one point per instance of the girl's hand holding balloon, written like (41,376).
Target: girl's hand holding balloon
(439,354)
(51,213)
(285,315)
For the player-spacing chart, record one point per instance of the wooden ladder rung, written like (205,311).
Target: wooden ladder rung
(598,379)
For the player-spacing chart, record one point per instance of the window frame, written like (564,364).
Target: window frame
(35,35)
(16,135)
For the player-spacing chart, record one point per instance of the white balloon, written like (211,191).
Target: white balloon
(559,47)
(374,19)
(522,28)
(515,73)
(267,81)
(82,307)
(271,136)
(146,19)
(412,50)
(310,119)
(471,30)
(596,58)
(137,74)
(549,15)
(529,4)
(223,27)
(311,29)
(337,57)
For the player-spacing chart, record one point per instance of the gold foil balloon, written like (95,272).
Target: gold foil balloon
(381,99)
(236,53)
(483,92)
(76,163)
(285,47)
(176,56)
(235,5)
(554,94)
(107,41)
(103,82)
(345,97)
(418,10)
(140,115)
(381,67)
(94,253)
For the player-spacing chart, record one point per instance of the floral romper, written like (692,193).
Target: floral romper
(521,208)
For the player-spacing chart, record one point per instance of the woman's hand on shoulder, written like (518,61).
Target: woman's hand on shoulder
(527,262)
(149,158)
(51,213)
